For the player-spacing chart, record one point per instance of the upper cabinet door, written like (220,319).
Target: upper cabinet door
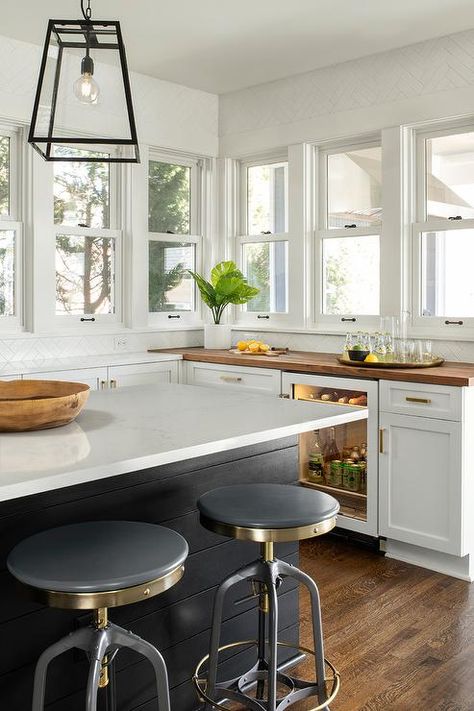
(421,482)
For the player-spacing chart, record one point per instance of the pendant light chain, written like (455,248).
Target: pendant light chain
(86,11)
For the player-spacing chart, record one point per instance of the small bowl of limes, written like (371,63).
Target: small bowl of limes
(358,353)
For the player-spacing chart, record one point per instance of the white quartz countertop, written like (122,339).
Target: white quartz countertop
(79,362)
(134,428)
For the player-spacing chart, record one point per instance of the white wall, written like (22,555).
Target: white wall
(168,115)
(416,83)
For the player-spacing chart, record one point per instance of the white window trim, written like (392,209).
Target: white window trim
(14,324)
(326,323)
(294,316)
(197,225)
(431,326)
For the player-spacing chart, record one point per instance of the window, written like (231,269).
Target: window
(81,191)
(443,231)
(263,245)
(354,187)
(171,288)
(348,239)
(10,235)
(86,248)
(174,239)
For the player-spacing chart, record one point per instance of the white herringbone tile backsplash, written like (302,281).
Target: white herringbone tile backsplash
(31,348)
(35,348)
(421,69)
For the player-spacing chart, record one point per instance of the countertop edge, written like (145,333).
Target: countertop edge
(319,363)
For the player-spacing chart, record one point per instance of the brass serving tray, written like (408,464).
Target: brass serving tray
(435,363)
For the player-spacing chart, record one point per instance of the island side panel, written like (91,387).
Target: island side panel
(177,621)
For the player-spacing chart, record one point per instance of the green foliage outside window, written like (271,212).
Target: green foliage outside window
(169,198)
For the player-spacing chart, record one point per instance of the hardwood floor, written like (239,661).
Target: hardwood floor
(401,637)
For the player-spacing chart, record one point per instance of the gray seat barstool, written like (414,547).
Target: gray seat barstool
(267,514)
(94,566)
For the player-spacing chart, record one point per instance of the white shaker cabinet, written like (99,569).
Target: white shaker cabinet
(96,378)
(421,482)
(143,374)
(266,381)
(426,467)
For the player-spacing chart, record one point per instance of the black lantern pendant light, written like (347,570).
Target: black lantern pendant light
(93,112)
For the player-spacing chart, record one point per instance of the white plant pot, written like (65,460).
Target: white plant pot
(217,335)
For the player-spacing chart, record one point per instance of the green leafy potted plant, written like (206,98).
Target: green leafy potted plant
(227,286)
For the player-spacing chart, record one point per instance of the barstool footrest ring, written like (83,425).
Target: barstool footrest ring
(298,687)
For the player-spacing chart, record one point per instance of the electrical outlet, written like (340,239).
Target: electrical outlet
(120,343)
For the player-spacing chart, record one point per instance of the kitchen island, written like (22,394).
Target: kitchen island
(145,453)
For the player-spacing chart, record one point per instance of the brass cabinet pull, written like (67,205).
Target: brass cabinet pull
(103,384)
(230,379)
(113,383)
(422,400)
(381,433)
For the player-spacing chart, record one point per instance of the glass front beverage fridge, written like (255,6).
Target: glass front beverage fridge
(342,460)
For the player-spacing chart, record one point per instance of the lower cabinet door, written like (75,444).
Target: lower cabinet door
(96,378)
(421,482)
(143,374)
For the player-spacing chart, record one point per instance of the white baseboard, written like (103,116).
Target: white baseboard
(452,565)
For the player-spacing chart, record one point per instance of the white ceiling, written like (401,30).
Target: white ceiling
(220,46)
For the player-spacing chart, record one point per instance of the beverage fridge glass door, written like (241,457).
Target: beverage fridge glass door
(342,460)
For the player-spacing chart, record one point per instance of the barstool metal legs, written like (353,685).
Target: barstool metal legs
(79,639)
(98,643)
(268,573)
(289,571)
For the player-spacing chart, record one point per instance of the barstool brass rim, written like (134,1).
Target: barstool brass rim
(269,535)
(107,598)
(335,679)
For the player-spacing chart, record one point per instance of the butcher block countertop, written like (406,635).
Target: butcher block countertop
(450,373)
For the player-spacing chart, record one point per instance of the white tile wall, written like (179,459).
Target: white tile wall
(391,77)
(33,348)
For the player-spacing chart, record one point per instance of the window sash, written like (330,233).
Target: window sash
(195,212)
(115,186)
(340,322)
(14,323)
(323,179)
(192,317)
(421,165)
(14,174)
(116,277)
(243,227)
(424,325)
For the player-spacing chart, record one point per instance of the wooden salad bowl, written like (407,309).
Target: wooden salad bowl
(27,405)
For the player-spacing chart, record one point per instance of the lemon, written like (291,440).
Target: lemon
(242,345)
(254,347)
(371,358)
(264,347)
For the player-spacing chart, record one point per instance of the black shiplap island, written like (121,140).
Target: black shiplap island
(145,454)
